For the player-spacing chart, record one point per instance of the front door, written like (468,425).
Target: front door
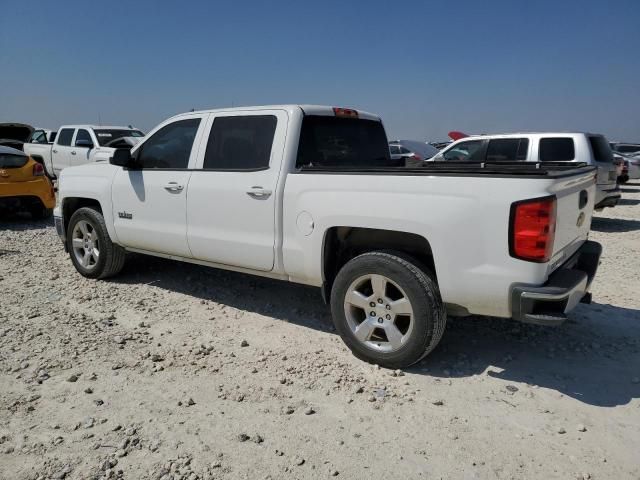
(150,202)
(231,209)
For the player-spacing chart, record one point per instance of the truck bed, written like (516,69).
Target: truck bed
(510,169)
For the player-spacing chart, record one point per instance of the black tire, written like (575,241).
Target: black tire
(112,256)
(429,318)
(39,212)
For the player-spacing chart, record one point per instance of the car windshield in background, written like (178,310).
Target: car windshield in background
(107,135)
(601,150)
(337,142)
(8,160)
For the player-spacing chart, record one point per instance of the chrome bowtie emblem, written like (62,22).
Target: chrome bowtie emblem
(3,173)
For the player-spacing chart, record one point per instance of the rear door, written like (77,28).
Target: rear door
(61,150)
(231,208)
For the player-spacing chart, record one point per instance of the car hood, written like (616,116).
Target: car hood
(14,134)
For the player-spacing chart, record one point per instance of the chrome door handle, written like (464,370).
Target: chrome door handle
(173,187)
(259,193)
(73,153)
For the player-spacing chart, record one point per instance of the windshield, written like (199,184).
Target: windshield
(108,135)
(9,160)
(343,142)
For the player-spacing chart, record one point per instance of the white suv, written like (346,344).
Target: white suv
(589,148)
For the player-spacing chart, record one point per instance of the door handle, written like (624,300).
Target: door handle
(54,151)
(259,193)
(173,187)
(73,153)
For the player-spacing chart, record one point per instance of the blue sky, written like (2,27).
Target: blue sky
(426,67)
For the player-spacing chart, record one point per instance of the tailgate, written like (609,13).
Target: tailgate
(575,198)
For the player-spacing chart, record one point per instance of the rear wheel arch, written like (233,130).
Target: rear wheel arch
(343,243)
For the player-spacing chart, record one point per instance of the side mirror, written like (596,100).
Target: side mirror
(84,143)
(122,158)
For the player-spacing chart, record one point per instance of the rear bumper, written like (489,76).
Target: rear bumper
(39,188)
(567,286)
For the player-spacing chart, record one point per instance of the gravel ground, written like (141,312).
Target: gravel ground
(174,371)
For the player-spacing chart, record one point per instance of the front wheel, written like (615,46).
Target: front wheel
(92,252)
(387,309)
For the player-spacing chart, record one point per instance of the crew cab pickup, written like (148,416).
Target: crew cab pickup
(79,144)
(307,194)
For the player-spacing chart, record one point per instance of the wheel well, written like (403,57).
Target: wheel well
(341,244)
(70,206)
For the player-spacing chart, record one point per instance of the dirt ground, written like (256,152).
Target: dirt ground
(175,371)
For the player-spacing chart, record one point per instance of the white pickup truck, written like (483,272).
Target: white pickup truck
(309,194)
(79,144)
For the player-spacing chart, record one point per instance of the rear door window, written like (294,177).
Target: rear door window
(339,142)
(240,143)
(507,149)
(600,148)
(170,147)
(558,149)
(65,136)
(83,135)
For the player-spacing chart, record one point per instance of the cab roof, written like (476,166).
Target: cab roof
(307,109)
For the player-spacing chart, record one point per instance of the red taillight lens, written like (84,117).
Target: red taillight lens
(533,229)
(38,170)
(416,156)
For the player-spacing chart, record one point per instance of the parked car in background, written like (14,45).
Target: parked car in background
(23,184)
(631,149)
(14,135)
(411,153)
(78,144)
(42,135)
(630,167)
(588,148)
(309,194)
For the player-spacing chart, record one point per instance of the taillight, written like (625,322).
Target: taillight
(38,170)
(345,112)
(532,229)
(415,156)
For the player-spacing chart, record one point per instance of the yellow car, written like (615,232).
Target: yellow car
(24,185)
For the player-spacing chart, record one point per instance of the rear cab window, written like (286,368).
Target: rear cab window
(65,136)
(105,136)
(557,149)
(339,142)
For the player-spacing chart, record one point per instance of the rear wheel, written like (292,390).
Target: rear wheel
(92,252)
(387,309)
